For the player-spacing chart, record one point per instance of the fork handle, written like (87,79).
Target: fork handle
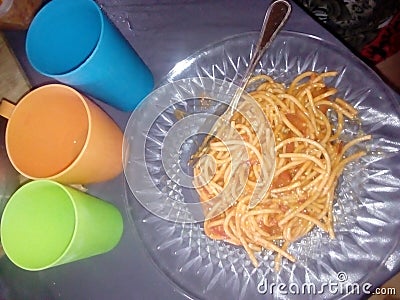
(275,18)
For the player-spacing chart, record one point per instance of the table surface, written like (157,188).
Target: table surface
(163,32)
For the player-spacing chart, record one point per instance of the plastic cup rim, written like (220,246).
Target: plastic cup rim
(69,167)
(70,197)
(85,61)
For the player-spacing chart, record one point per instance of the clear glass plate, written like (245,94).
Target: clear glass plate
(366,210)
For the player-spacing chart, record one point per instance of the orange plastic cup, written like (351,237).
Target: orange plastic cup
(56,133)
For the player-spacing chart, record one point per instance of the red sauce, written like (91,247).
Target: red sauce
(283,179)
(218,232)
(297,122)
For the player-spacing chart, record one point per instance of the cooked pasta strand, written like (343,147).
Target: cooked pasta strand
(309,159)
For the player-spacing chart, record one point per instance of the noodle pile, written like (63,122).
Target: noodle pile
(309,158)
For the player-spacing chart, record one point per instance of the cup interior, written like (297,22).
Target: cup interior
(63,35)
(47,131)
(37,225)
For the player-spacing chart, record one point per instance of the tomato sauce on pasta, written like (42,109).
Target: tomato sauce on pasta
(309,159)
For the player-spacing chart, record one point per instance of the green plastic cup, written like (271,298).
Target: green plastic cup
(46,224)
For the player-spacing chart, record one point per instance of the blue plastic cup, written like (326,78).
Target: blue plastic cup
(76,44)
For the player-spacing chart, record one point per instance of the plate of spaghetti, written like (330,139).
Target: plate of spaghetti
(314,138)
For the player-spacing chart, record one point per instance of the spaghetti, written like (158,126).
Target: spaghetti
(309,158)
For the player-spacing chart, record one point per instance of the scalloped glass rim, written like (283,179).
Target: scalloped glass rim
(173,252)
